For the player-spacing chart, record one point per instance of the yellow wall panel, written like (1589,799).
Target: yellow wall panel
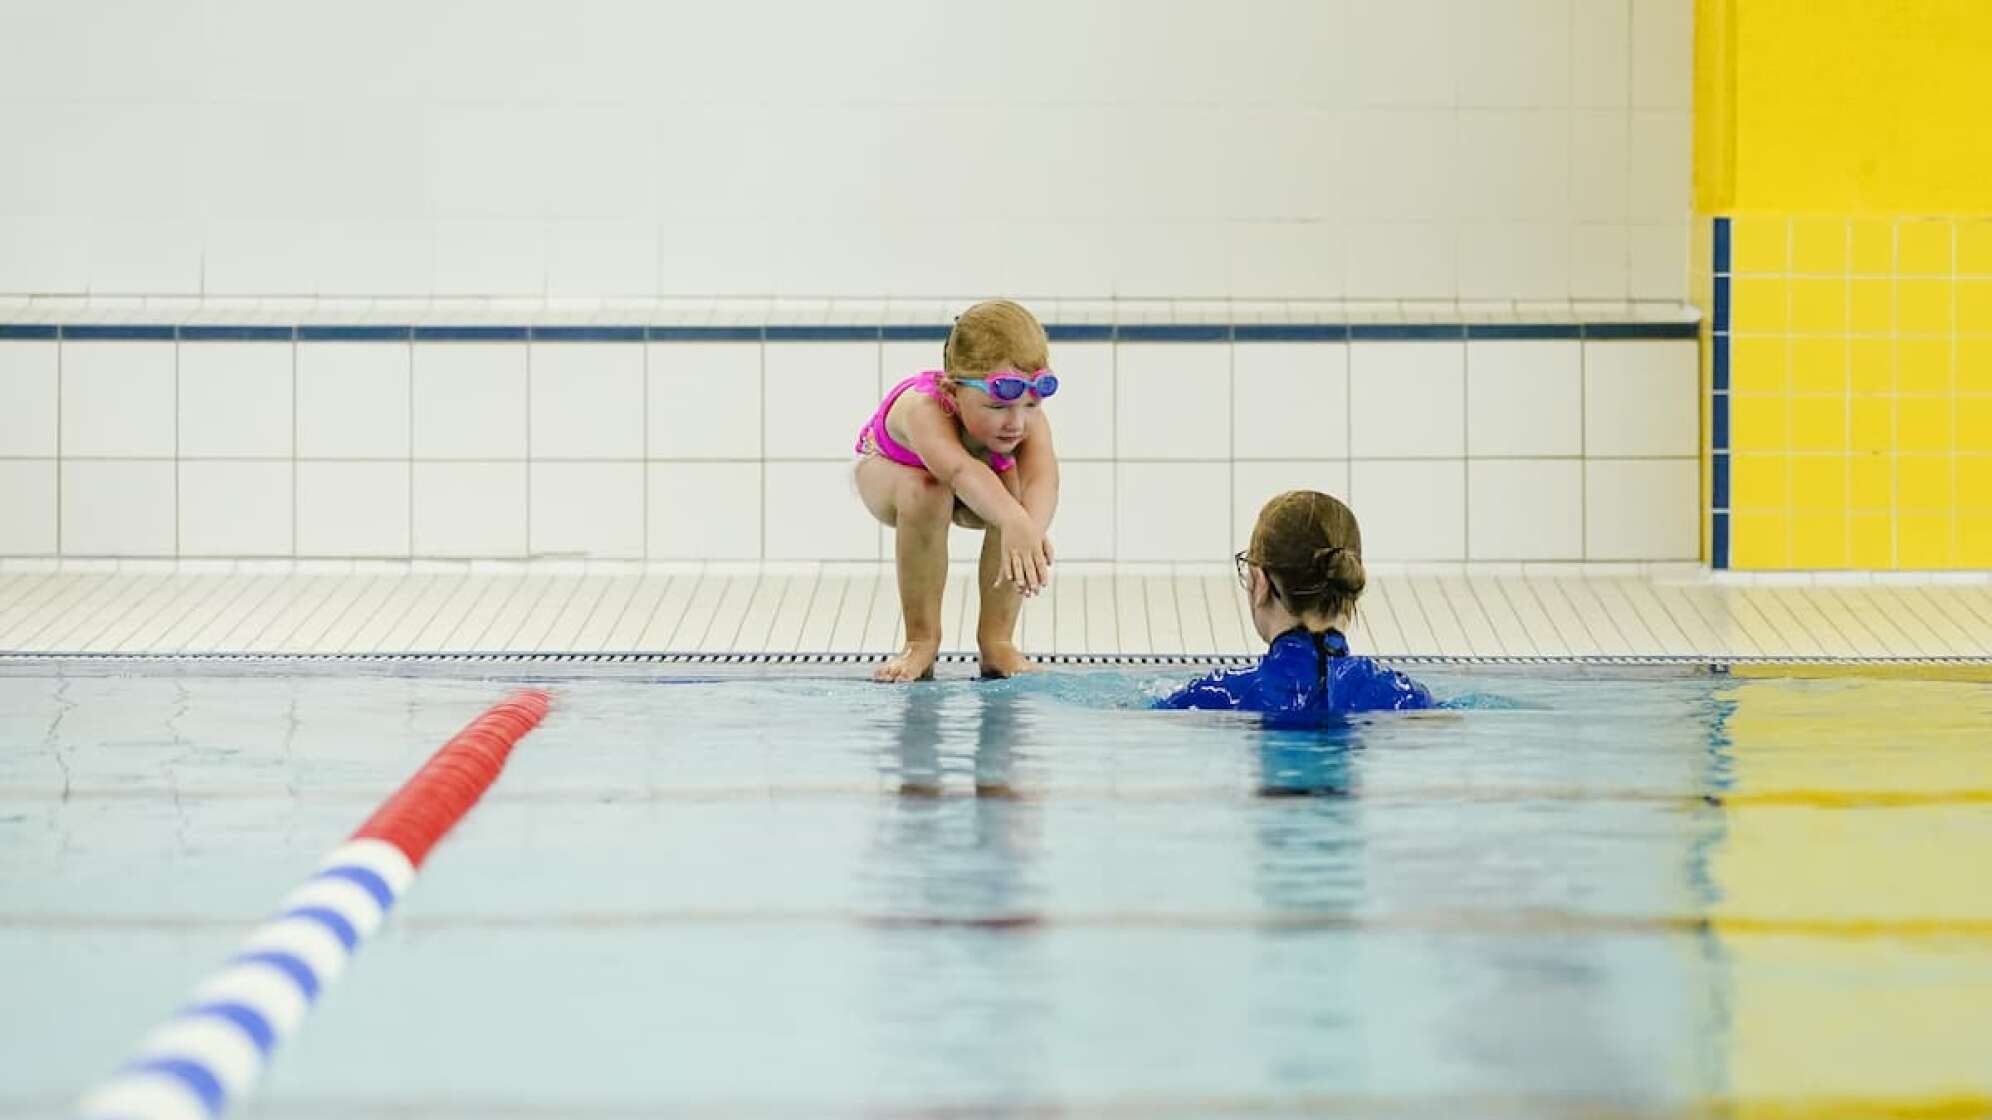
(1759,304)
(1871,423)
(1759,423)
(1923,424)
(1760,540)
(1819,364)
(1974,482)
(1871,365)
(1974,424)
(1819,482)
(1974,540)
(1819,423)
(1860,106)
(1974,247)
(1923,248)
(1759,482)
(1758,244)
(1922,365)
(1871,306)
(1873,483)
(1819,540)
(1974,306)
(1847,141)
(1923,306)
(1757,363)
(1818,306)
(1925,541)
(1924,482)
(1819,246)
(1974,364)
(1872,246)
(1873,540)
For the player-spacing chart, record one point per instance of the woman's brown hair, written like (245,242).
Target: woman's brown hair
(995,334)
(1311,549)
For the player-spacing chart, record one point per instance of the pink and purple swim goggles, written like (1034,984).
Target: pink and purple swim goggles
(1011,386)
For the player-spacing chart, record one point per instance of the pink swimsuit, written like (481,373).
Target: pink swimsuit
(873,439)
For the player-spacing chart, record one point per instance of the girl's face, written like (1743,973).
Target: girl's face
(995,425)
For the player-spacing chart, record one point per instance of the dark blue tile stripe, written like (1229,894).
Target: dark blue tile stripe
(1175,332)
(237,334)
(587,334)
(704,334)
(1058,332)
(1642,330)
(354,333)
(822,334)
(1524,330)
(1405,332)
(914,334)
(119,331)
(1290,332)
(1079,332)
(1719,462)
(471,334)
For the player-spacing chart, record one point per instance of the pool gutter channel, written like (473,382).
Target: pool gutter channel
(1710,662)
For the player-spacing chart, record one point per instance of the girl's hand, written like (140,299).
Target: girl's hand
(1026,556)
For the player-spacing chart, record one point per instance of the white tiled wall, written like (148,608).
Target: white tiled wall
(1407,400)
(27,507)
(356,509)
(353,401)
(1413,149)
(1497,450)
(119,399)
(236,508)
(235,400)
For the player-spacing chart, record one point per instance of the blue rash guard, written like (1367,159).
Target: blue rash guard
(1304,674)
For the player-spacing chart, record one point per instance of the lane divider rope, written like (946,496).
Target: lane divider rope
(209,1054)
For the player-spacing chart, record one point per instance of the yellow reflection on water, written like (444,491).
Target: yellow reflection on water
(1853,902)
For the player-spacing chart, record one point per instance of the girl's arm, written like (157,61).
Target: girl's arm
(1037,465)
(1026,561)
(931,435)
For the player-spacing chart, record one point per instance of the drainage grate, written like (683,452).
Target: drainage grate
(1098,660)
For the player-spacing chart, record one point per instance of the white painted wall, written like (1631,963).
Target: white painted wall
(1250,149)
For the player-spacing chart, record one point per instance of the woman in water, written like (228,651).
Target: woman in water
(1303,574)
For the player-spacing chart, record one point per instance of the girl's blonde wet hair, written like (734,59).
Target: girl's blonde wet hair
(995,334)
(1310,546)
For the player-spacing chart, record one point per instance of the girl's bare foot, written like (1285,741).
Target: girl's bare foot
(915,664)
(1003,659)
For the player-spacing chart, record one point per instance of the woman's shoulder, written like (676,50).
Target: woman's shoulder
(1369,683)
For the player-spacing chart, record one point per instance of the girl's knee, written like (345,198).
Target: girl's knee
(925,498)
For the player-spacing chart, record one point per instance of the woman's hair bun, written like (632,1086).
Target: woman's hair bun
(1339,567)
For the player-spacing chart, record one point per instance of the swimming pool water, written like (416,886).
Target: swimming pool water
(1635,892)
